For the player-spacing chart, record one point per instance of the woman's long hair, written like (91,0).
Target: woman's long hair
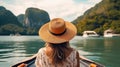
(57,54)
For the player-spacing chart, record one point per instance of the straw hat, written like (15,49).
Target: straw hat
(57,31)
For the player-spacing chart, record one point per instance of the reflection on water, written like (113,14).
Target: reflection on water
(13,49)
(103,50)
(111,50)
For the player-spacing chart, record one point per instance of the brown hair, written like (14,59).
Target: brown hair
(57,52)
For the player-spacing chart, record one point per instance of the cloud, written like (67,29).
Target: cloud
(94,1)
(67,9)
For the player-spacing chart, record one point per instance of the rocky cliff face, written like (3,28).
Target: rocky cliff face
(21,18)
(7,17)
(35,17)
(25,24)
(8,22)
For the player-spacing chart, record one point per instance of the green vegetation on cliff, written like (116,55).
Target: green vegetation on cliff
(8,22)
(21,18)
(10,29)
(7,17)
(25,24)
(104,15)
(34,19)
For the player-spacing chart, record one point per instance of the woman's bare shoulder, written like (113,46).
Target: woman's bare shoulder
(41,49)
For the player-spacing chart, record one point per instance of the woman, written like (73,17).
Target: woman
(57,51)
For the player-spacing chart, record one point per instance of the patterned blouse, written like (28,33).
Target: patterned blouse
(42,60)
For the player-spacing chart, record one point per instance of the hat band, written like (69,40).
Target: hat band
(59,33)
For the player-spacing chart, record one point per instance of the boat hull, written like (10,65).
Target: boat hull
(111,35)
(84,62)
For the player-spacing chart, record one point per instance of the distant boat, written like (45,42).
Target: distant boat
(17,34)
(90,34)
(84,62)
(110,33)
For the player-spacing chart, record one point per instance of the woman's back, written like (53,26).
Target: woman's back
(43,60)
(57,53)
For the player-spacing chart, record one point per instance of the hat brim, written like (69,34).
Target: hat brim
(48,37)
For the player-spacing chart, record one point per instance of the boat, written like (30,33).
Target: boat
(17,34)
(84,62)
(110,33)
(90,34)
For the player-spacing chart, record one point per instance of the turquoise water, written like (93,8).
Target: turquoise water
(103,50)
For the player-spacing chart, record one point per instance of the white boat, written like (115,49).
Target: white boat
(110,33)
(90,34)
(17,34)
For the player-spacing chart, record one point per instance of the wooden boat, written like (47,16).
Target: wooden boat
(84,62)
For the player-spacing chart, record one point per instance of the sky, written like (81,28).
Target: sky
(66,9)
